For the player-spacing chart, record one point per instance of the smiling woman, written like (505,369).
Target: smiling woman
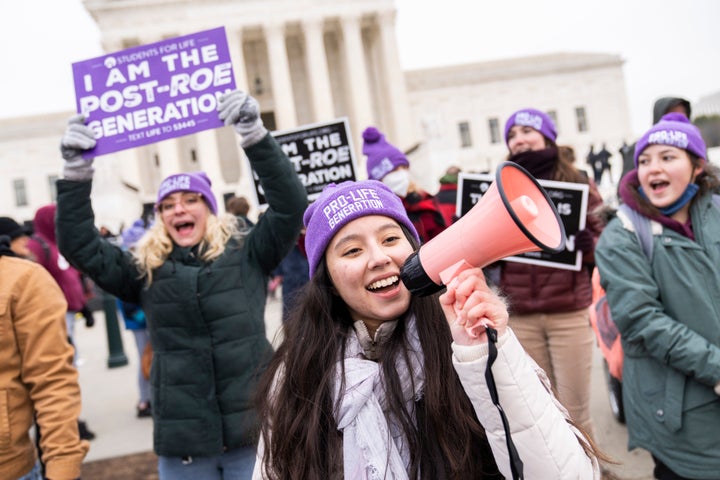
(390,385)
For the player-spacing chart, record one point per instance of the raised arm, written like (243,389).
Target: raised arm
(278,229)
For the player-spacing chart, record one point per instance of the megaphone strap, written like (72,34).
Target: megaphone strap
(516,464)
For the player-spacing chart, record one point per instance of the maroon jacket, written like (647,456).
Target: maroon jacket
(44,248)
(538,289)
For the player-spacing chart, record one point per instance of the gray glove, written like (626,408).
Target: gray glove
(242,111)
(77,138)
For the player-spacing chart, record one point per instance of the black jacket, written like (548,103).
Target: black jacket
(206,320)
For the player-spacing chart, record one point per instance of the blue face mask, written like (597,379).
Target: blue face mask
(690,191)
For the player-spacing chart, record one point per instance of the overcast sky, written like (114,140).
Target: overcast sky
(669,47)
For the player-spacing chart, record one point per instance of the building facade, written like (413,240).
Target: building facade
(309,61)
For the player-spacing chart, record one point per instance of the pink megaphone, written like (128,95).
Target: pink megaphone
(514,216)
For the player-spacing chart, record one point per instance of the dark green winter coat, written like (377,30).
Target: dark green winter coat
(206,320)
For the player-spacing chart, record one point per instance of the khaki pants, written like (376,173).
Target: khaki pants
(562,344)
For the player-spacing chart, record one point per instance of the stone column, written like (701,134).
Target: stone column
(210,163)
(356,72)
(235,45)
(169,157)
(284,101)
(398,106)
(318,70)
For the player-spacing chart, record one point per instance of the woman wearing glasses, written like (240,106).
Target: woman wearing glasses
(200,278)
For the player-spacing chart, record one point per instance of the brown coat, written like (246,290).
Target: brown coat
(36,374)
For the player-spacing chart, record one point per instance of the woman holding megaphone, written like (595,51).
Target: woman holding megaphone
(549,306)
(372,382)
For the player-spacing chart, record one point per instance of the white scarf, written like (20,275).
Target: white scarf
(372,448)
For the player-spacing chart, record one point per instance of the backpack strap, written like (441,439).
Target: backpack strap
(643,227)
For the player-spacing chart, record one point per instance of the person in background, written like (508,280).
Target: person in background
(239,206)
(44,249)
(665,303)
(135,321)
(201,280)
(447,195)
(292,274)
(19,236)
(599,162)
(37,379)
(661,106)
(388,385)
(390,166)
(549,306)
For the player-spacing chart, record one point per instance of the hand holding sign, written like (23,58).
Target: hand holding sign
(242,112)
(77,138)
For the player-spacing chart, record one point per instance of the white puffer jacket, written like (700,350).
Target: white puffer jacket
(547,445)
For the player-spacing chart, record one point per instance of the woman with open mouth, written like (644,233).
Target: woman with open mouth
(200,278)
(659,262)
(371,382)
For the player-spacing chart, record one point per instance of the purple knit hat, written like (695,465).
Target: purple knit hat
(338,204)
(197,182)
(673,129)
(382,157)
(529,117)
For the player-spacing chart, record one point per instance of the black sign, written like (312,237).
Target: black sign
(321,154)
(570,200)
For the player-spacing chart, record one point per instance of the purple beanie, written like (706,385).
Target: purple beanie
(382,157)
(673,129)
(529,117)
(197,182)
(338,204)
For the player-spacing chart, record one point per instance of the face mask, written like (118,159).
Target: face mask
(690,191)
(398,181)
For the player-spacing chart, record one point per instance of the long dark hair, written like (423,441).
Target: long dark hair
(295,396)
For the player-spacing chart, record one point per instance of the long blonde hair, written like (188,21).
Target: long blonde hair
(155,246)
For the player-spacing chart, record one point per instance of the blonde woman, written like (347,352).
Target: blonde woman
(202,286)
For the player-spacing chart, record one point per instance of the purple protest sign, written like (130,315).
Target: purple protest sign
(154,92)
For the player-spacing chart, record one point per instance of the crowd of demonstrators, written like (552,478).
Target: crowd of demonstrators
(388,164)
(387,384)
(664,299)
(38,380)
(391,386)
(134,319)
(447,195)
(549,306)
(201,282)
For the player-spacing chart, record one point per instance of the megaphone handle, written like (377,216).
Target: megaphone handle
(446,276)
